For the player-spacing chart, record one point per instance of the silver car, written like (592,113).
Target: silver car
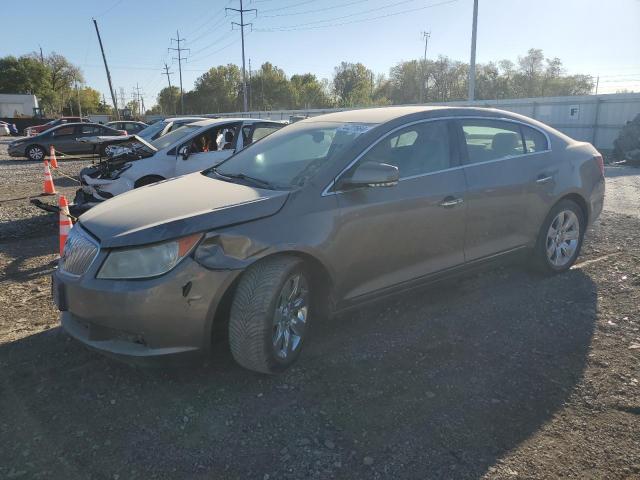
(319,216)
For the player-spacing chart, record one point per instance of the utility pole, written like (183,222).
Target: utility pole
(41,55)
(250,88)
(78,98)
(138,97)
(423,87)
(472,63)
(597,83)
(122,98)
(167,72)
(106,67)
(242,10)
(179,50)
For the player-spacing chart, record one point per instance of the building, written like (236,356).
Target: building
(18,105)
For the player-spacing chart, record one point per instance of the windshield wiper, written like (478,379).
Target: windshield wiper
(246,178)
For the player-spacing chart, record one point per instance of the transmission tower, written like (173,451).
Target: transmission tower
(180,58)
(242,11)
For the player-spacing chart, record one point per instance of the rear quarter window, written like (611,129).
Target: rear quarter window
(534,140)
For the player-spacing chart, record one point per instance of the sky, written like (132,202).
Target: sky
(596,37)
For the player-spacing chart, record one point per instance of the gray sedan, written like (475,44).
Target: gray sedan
(64,139)
(320,216)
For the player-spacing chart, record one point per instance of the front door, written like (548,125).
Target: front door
(207,149)
(391,235)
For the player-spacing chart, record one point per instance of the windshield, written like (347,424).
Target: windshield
(294,154)
(148,132)
(173,136)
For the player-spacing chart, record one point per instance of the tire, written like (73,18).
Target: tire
(262,317)
(35,152)
(144,181)
(557,254)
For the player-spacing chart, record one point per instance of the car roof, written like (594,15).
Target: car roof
(215,121)
(84,124)
(379,115)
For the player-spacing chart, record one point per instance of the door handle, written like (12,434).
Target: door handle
(451,202)
(544,179)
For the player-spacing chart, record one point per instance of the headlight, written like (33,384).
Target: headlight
(147,261)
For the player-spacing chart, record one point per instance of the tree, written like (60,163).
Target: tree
(308,92)
(216,91)
(353,84)
(270,88)
(90,101)
(168,99)
(405,81)
(23,75)
(62,77)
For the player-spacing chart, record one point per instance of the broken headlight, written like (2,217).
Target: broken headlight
(147,261)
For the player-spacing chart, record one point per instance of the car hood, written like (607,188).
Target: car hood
(174,208)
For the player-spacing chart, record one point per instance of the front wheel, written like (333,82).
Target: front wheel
(270,314)
(560,238)
(35,152)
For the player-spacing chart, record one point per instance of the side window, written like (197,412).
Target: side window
(88,130)
(491,139)
(415,150)
(263,131)
(534,140)
(63,131)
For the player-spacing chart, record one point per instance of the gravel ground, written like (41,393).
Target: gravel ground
(503,374)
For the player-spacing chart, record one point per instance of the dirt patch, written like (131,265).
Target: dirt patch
(504,374)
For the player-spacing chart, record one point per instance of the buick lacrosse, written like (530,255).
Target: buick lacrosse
(317,217)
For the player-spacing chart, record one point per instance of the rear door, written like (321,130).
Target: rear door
(503,174)
(391,235)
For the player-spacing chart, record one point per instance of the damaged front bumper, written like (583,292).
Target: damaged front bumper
(167,316)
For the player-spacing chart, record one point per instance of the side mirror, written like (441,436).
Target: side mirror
(371,174)
(184,152)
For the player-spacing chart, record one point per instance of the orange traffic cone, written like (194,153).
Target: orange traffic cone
(65,222)
(52,157)
(48,187)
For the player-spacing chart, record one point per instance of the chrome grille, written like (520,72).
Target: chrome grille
(79,251)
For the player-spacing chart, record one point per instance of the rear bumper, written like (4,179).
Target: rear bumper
(596,201)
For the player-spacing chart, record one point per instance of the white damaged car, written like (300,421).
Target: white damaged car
(135,162)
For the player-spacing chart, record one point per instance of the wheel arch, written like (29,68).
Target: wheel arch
(580,201)
(139,181)
(320,276)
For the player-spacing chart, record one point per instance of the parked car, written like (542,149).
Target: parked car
(162,127)
(189,148)
(64,138)
(128,126)
(322,215)
(36,129)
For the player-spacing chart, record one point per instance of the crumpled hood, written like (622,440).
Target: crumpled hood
(174,208)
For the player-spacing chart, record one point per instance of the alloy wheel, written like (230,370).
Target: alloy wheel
(562,238)
(290,318)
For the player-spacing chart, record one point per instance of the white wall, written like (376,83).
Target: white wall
(23,104)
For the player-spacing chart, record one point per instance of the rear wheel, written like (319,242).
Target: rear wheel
(270,314)
(560,238)
(35,152)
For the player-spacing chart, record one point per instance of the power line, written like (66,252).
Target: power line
(304,26)
(324,9)
(179,50)
(242,11)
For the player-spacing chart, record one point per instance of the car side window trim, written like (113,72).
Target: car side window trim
(461,152)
